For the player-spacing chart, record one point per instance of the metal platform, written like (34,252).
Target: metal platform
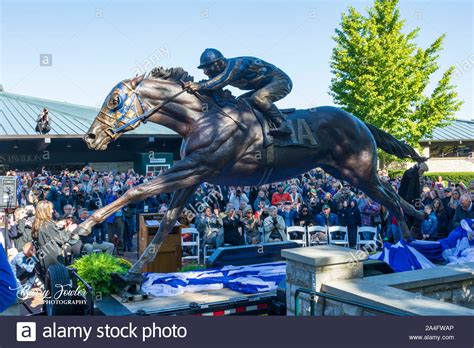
(188,303)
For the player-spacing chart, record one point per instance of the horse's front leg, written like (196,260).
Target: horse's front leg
(186,173)
(178,202)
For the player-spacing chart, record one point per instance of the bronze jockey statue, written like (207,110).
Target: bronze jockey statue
(266,82)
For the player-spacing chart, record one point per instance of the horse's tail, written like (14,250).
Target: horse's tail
(393,146)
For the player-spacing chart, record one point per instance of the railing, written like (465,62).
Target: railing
(340,299)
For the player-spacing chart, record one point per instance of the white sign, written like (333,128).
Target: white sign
(157,160)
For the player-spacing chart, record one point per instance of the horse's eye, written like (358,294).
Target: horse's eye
(114,102)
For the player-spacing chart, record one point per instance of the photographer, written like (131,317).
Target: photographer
(274,227)
(344,194)
(53,194)
(237,198)
(78,197)
(24,220)
(313,202)
(262,211)
(261,197)
(11,232)
(43,122)
(289,213)
(65,199)
(233,227)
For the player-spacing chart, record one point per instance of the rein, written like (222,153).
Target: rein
(114,122)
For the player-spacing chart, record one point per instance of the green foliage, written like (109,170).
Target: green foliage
(192,267)
(380,74)
(455,177)
(96,270)
(395,173)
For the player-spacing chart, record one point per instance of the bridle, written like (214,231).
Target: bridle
(129,105)
(119,122)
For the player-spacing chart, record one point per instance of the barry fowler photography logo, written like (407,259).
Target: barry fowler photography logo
(62,294)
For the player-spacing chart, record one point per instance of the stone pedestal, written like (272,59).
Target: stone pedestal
(310,267)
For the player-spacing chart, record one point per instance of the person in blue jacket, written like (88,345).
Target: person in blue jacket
(429,226)
(7,282)
(288,213)
(326,218)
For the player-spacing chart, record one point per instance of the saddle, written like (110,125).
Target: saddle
(302,134)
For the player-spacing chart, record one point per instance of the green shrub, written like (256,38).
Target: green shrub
(192,267)
(394,173)
(455,177)
(96,270)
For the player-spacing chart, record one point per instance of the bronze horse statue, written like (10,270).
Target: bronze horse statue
(224,143)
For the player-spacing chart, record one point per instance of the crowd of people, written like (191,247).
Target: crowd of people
(51,205)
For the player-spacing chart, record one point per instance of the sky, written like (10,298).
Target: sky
(87,46)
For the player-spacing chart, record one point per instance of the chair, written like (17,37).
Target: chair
(300,230)
(362,240)
(312,230)
(344,241)
(193,244)
(209,249)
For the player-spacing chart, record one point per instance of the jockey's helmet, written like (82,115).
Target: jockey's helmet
(209,56)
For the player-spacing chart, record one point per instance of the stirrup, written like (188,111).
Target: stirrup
(281,130)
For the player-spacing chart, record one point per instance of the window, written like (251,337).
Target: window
(155,169)
(439,150)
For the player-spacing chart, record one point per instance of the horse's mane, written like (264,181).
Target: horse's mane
(179,75)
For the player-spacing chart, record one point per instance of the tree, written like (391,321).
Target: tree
(380,74)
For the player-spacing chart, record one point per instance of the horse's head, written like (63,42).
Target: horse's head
(120,106)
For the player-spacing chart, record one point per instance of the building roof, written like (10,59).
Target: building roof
(18,114)
(456,131)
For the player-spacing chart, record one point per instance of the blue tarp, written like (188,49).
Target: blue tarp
(454,246)
(246,279)
(402,257)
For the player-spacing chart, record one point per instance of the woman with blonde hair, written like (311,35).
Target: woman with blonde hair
(50,238)
(453,203)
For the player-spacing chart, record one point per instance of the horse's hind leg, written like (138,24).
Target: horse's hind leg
(375,189)
(407,207)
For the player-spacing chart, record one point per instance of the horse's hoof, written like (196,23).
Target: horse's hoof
(81,231)
(133,278)
(420,215)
